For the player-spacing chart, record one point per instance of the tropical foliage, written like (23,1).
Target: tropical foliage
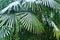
(29,19)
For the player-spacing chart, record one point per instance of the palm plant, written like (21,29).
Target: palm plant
(39,17)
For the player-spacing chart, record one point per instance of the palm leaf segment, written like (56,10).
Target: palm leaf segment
(49,3)
(6,23)
(56,30)
(31,23)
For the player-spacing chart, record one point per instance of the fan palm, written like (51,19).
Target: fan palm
(32,15)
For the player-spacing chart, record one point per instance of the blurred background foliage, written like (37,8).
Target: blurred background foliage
(30,20)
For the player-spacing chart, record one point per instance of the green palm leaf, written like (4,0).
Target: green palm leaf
(6,23)
(31,23)
(49,3)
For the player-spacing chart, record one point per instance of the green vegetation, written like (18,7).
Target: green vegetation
(29,19)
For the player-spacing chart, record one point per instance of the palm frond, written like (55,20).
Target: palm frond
(6,23)
(49,3)
(31,23)
(56,30)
